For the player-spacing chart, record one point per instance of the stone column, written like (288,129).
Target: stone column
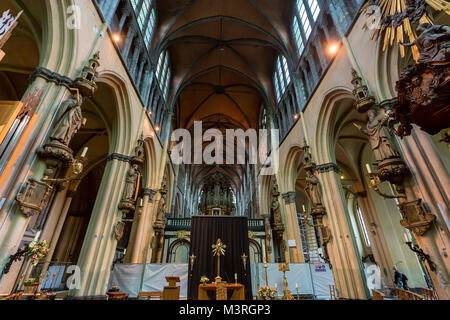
(99,245)
(432,181)
(137,248)
(292,228)
(347,267)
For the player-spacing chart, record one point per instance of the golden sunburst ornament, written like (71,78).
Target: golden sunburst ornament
(395,19)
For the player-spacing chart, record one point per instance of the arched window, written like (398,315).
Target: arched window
(282,77)
(363,225)
(146,18)
(163,73)
(307,13)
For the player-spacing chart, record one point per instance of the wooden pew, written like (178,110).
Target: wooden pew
(150,295)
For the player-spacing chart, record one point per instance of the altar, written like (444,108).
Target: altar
(237,290)
(233,265)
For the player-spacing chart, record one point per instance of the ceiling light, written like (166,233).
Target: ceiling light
(295,116)
(157,128)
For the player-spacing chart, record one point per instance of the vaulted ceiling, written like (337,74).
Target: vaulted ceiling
(222,54)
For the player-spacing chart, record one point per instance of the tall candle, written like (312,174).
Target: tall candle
(36,237)
(264,253)
(296,286)
(235,277)
(369,169)
(304,209)
(276,286)
(85,150)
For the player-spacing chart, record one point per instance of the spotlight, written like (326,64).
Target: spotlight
(157,128)
(333,49)
(116,37)
(295,116)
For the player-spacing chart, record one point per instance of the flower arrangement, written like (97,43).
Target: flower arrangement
(37,250)
(267,293)
(204,279)
(29,282)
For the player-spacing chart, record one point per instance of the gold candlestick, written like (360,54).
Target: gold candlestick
(283,267)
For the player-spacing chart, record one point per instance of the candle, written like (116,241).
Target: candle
(276,287)
(264,253)
(406,237)
(369,169)
(85,150)
(141,202)
(36,237)
(296,286)
(235,277)
(303,207)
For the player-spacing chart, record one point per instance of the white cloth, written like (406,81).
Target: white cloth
(128,277)
(312,279)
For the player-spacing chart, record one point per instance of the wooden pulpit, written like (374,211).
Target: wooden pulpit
(172,291)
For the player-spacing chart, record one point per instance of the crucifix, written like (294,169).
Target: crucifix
(218,250)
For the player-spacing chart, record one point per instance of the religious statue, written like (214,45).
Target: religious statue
(313,189)
(380,138)
(139,152)
(70,122)
(129,192)
(433,43)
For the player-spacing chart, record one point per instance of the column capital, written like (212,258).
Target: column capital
(361,194)
(289,197)
(150,193)
(51,76)
(327,167)
(118,156)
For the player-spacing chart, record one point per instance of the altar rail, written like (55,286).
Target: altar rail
(175,224)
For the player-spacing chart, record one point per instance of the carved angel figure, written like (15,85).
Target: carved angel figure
(433,43)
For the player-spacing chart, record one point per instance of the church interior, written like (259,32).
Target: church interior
(224,150)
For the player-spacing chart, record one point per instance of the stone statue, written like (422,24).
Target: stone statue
(139,152)
(433,43)
(129,191)
(313,189)
(380,138)
(70,122)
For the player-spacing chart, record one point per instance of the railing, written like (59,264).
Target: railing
(407,295)
(178,224)
(429,294)
(175,224)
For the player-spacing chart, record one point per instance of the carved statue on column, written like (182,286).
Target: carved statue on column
(380,138)
(70,122)
(277,223)
(57,148)
(139,152)
(313,189)
(390,164)
(129,191)
(160,221)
